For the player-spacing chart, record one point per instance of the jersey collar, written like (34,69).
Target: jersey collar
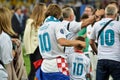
(51,18)
(79,51)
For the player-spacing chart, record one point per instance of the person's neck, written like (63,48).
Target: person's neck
(110,16)
(67,19)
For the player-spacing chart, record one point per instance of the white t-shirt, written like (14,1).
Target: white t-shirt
(48,35)
(109,40)
(5,48)
(5,54)
(79,66)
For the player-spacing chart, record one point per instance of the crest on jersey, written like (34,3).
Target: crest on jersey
(62,31)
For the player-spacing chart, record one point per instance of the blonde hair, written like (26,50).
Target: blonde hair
(5,21)
(111,10)
(38,14)
(54,10)
(67,12)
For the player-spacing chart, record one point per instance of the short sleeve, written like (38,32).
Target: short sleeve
(75,26)
(61,31)
(93,33)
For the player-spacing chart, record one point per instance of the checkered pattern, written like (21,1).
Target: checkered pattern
(62,65)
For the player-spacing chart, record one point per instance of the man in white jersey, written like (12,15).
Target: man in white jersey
(72,26)
(78,63)
(52,36)
(108,45)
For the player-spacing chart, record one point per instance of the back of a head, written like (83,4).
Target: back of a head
(5,21)
(38,14)
(84,16)
(65,6)
(110,10)
(67,12)
(54,10)
(79,47)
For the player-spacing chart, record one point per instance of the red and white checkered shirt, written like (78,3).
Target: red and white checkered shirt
(62,65)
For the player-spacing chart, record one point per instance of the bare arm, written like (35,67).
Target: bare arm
(93,45)
(93,18)
(88,21)
(64,42)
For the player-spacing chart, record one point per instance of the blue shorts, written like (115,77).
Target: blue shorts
(40,75)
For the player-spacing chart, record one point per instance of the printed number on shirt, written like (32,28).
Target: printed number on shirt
(107,37)
(45,44)
(77,68)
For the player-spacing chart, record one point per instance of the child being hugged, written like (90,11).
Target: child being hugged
(78,63)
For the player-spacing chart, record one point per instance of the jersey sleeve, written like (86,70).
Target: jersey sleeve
(93,32)
(61,31)
(75,26)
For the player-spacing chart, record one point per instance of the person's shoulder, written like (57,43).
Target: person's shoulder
(58,24)
(85,57)
(75,22)
(29,20)
(3,34)
(115,23)
(4,37)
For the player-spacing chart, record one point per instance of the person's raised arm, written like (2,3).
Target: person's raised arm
(65,42)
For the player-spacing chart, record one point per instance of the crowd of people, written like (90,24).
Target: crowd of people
(58,46)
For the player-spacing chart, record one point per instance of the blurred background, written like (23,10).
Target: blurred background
(78,5)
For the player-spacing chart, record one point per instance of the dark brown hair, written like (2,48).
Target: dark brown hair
(81,39)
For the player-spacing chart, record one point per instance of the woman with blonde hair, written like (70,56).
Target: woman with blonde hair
(31,35)
(6,31)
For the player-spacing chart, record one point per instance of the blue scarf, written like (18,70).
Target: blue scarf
(51,18)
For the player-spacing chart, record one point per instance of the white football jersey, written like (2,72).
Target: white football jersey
(74,27)
(79,66)
(48,35)
(109,39)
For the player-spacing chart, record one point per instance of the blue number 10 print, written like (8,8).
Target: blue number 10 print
(77,69)
(45,44)
(107,37)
